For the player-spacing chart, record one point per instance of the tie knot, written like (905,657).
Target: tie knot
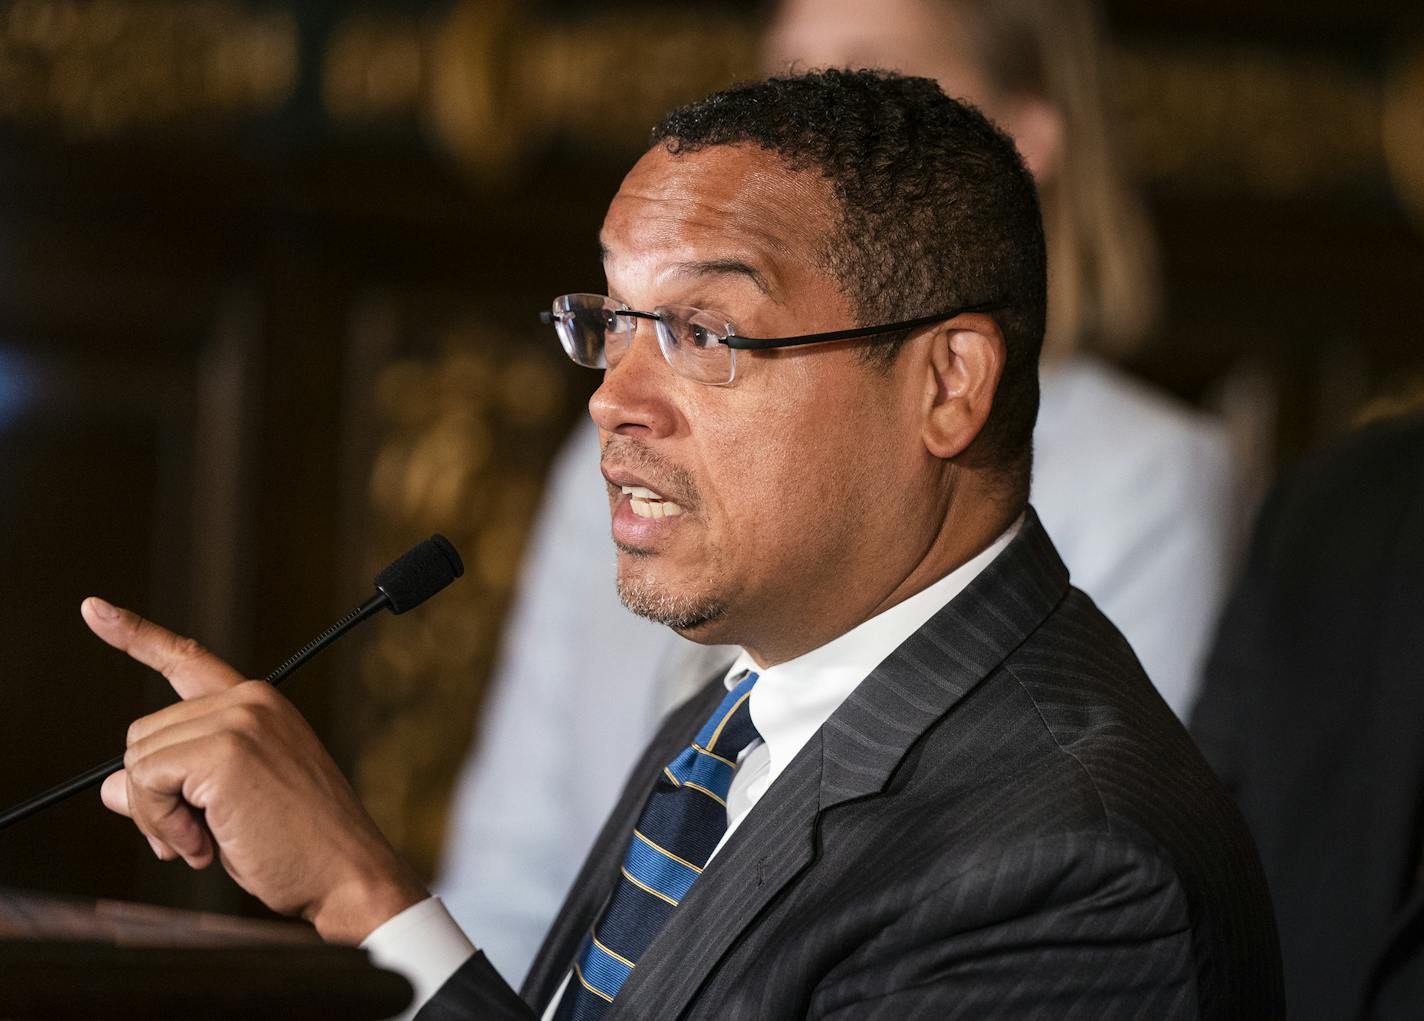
(709,762)
(730,729)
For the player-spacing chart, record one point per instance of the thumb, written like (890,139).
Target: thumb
(115,795)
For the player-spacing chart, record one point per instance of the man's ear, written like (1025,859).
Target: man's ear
(966,361)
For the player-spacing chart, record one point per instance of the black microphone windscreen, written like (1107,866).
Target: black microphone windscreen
(419,573)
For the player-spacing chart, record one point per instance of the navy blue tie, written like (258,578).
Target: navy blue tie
(684,818)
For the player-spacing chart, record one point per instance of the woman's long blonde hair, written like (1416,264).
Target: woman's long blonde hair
(1104,291)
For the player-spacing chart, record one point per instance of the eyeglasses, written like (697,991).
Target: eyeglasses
(596,331)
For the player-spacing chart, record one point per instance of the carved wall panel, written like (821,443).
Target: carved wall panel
(466,418)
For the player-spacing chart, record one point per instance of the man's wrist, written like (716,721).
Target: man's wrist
(354,909)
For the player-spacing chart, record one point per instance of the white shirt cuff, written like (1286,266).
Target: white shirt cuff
(424,944)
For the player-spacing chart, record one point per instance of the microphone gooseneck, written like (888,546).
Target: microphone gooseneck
(331,634)
(404,584)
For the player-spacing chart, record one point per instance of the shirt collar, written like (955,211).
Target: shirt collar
(792,700)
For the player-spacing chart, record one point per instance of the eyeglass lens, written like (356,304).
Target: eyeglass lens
(595,331)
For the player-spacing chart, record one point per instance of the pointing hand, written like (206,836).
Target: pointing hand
(233,771)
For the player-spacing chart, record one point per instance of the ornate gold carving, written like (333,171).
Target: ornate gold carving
(482,105)
(1227,119)
(1404,130)
(466,437)
(614,75)
(101,66)
(373,68)
(491,83)
(1254,120)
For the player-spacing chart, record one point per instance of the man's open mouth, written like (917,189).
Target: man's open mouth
(648,504)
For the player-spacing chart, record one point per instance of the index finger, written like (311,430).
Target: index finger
(190,668)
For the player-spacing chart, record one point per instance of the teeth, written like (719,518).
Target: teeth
(648,504)
(654,508)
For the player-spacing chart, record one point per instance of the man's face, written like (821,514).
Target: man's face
(805,490)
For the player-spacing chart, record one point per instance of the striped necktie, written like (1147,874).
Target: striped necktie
(682,821)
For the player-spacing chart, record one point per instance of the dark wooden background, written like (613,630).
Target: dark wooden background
(266,268)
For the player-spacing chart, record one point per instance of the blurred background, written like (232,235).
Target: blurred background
(269,283)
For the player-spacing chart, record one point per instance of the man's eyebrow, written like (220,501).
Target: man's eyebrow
(712,267)
(725,267)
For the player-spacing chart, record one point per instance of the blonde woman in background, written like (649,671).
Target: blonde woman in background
(1135,489)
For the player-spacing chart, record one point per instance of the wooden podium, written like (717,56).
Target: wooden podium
(81,959)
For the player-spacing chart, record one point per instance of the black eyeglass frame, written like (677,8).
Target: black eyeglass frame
(737,342)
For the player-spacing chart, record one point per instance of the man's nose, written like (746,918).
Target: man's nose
(633,399)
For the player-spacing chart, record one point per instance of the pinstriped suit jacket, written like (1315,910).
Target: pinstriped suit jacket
(1003,820)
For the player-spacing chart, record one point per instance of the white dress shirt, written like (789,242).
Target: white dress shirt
(789,703)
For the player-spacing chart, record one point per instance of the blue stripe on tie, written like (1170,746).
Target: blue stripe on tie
(652,868)
(603,971)
(705,771)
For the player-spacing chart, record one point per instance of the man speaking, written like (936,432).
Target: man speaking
(936,783)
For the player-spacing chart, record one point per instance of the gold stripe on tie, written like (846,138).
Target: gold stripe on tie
(645,887)
(578,973)
(664,851)
(711,794)
(714,755)
(712,743)
(611,953)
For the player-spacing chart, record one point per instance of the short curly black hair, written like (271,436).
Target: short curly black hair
(937,211)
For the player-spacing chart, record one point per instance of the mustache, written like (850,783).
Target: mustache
(671,480)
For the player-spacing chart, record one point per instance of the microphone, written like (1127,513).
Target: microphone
(406,582)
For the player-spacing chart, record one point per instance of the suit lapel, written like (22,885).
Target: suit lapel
(923,679)
(852,756)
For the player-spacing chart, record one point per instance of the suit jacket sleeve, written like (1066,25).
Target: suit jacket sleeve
(476,991)
(1086,925)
